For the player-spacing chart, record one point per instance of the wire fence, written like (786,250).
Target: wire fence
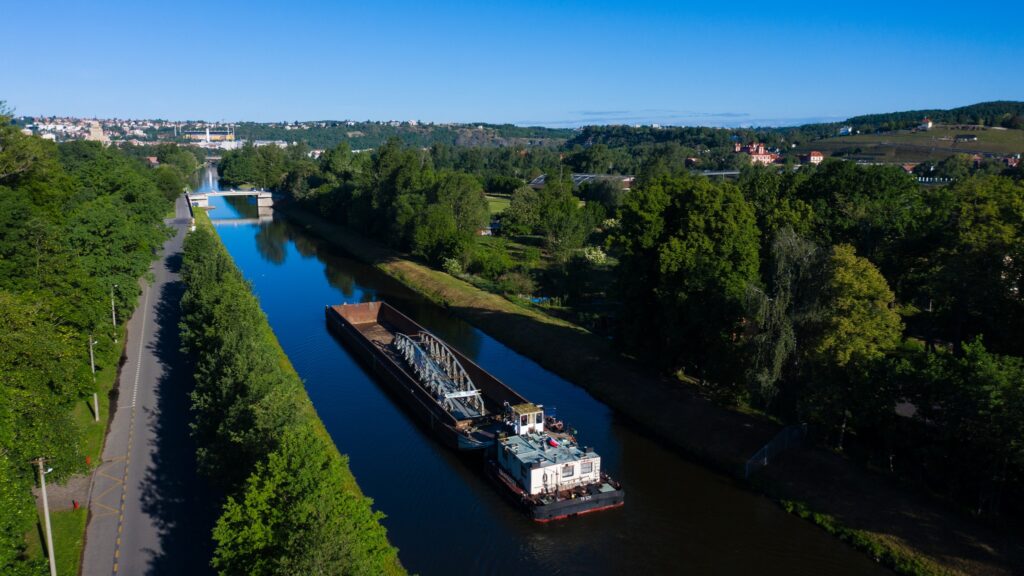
(789,437)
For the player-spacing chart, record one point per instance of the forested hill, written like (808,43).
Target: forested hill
(1003,113)
(362,135)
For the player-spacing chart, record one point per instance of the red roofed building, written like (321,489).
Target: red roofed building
(758,153)
(815,157)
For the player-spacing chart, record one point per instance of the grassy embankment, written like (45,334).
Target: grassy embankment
(935,144)
(869,512)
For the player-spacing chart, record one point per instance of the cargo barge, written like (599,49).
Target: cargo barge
(529,455)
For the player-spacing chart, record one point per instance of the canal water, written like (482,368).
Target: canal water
(442,513)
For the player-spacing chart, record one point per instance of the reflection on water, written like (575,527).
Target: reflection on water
(270,241)
(441,512)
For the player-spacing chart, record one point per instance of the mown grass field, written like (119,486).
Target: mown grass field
(106,373)
(935,144)
(497,204)
(68,527)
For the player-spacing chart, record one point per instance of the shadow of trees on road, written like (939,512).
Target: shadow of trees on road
(180,501)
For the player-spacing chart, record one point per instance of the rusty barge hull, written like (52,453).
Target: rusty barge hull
(368,330)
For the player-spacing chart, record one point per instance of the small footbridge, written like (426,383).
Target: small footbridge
(264,198)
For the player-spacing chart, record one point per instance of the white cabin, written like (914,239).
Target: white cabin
(538,466)
(542,463)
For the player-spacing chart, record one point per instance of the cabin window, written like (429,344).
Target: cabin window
(586,467)
(540,417)
(568,470)
(523,421)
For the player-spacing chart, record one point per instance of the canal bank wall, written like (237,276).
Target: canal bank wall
(910,533)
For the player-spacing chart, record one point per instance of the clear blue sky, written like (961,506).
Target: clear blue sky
(552,63)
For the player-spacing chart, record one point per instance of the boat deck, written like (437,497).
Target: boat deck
(376,333)
(383,335)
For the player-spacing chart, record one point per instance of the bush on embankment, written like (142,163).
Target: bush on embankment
(293,505)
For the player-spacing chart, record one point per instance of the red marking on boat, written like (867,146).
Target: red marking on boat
(564,516)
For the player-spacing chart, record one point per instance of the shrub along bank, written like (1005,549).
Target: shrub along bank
(293,505)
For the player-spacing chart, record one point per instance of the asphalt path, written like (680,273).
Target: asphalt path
(149,512)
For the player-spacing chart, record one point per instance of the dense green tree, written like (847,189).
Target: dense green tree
(982,409)
(605,191)
(437,235)
(297,516)
(859,323)
(689,253)
(870,207)
(464,196)
(776,204)
(561,222)
(974,273)
(501,184)
(170,181)
(791,300)
(523,213)
(856,327)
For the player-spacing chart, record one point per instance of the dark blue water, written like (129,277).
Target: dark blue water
(442,513)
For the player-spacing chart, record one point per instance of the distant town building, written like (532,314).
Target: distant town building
(846,130)
(152,161)
(208,135)
(96,133)
(926,124)
(758,153)
(813,157)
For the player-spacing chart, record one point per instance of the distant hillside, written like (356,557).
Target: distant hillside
(936,144)
(879,133)
(1004,113)
(361,135)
